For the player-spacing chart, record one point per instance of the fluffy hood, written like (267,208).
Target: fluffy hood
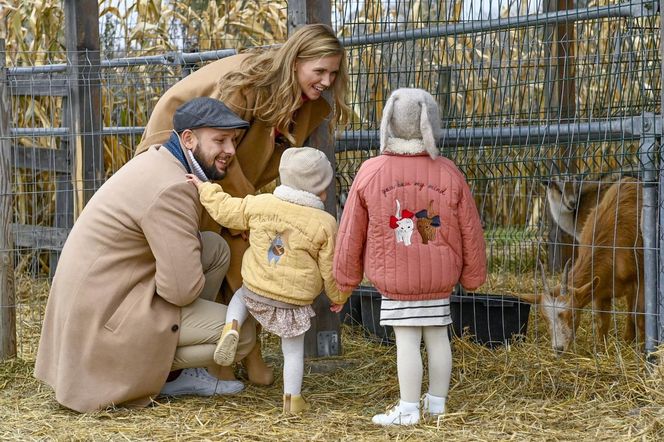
(297,196)
(410,124)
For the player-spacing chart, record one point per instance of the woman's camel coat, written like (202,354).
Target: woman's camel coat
(256,162)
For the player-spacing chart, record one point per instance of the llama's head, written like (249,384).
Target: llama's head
(562,194)
(559,308)
(562,190)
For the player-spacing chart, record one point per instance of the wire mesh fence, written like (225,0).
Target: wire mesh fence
(539,106)
(144,48)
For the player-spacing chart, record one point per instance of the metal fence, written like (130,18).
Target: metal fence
(75,117)
(533,98)
(527,92)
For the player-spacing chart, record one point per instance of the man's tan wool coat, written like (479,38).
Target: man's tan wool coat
(132,259)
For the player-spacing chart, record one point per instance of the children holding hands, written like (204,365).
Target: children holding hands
(410,225)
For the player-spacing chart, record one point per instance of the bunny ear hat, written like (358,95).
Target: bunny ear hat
(410,124)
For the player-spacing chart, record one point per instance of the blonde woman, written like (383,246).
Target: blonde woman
(279,92)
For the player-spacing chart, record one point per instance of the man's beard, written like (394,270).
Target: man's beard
(209,168)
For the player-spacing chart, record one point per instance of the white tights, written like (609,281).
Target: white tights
(409,361)
(292,348)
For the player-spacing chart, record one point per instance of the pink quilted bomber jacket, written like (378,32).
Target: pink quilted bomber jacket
(411,224)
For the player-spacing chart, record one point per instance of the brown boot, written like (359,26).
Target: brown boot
(257,371)
(223,373)
(294,403)
(224,354)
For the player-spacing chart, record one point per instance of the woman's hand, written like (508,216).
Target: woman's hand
(336,308)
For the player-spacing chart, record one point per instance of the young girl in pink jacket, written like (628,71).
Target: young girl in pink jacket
(411,225)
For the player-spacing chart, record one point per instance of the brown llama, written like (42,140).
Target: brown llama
(609,264)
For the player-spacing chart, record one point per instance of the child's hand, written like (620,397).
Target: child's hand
(193,179)
(336,308)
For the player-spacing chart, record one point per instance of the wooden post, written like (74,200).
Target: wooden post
(319,11)
(7,298)
(324,337)
(82,42)
(297,14)
(561,99)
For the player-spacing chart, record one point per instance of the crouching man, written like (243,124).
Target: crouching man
(131,304)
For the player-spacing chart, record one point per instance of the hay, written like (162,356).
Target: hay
(517,392)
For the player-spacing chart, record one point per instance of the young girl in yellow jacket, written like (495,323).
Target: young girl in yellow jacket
(288,263)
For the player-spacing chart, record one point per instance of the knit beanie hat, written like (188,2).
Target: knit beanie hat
(411,114)
(305,168)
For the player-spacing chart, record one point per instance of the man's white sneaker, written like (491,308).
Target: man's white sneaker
(433,406)
(404,413)
(198,382)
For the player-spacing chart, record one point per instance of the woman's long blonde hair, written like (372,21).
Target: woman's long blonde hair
(271,75)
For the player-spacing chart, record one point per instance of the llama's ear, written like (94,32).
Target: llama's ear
(426,129)
(385,131)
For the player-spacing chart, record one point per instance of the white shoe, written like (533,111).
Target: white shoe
(433,406)
(404,413)
(198,382)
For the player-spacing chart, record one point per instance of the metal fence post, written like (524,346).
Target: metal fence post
(324,337)
(648,148)
(7,298)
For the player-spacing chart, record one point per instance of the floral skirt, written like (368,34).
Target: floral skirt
(283,322)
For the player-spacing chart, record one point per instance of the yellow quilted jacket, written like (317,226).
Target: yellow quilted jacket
(291,242)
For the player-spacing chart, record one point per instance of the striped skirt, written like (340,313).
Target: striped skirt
(434,312)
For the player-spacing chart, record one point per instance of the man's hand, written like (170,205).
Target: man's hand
(336,308)
(193,179)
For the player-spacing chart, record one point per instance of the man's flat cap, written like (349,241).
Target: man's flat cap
(206,112)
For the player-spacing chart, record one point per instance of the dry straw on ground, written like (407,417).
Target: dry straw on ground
(519,392)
